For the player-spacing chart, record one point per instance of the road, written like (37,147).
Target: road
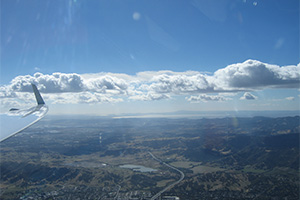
(169,186)
(118,191)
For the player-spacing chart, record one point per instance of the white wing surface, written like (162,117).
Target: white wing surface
(17,120)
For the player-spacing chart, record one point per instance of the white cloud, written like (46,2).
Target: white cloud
(253,74)
(6,92)
(58,87)
(106,83)
(205,98)
(67,88)
(248,96)
(11,103)
(82,98)
(150,97)
(62,82)
(250,75)
(54,83)
(290,98)
(180,84)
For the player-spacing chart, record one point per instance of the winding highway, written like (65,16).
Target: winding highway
(169,186)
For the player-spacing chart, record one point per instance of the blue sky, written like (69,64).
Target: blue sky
(113,55)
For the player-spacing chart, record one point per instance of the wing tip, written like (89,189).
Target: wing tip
(37,94)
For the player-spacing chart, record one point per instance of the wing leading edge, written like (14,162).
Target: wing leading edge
(17,120)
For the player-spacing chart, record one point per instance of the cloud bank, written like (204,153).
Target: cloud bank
(205,98)
(75,88)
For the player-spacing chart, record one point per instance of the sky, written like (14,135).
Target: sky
(102,57)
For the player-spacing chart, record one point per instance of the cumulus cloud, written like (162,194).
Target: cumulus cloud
(250,75)
(67,88)
(6,92)
(54,83)
(253,74)
(150,97)
(206,98)
(180,84)
(248,96)
(106,83)
(61,83)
